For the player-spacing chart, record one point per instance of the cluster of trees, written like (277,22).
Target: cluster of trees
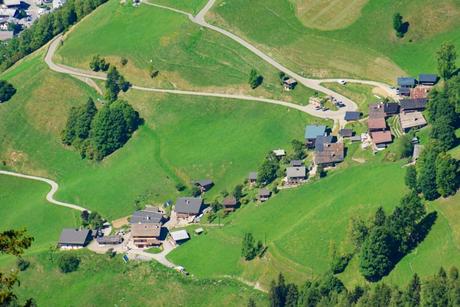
(250,249)
(7,91)
(114,84)
(97,64)
(92,220)
(399,25)
(13,242)
(97,134)
(442,289)
(44,29)
(255,79)
(269,169)
(447,57)
(382,242)
(437,173)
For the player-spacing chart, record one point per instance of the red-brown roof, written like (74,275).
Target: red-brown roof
(381,137)
(229,201)
(331,153)
(376,123)
(419,92)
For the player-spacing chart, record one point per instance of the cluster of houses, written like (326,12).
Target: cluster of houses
(413,101)
(16,15)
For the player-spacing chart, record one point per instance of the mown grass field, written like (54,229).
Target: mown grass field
(186,56)
(183,138)
(190,6)
(366,48)
(101,281)
(300,226)
(23,205)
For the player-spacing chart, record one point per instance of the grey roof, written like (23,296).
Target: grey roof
(312,131)
(296,163)
(252,176)
(346,132)
(264,192)
(296,172)
(72,236)
(204,182)
(116,239)
(413,104)
(355,138)
(179,235)
(351,115)
(391,107)
(146,216)
(406,81)
(190,205)
(321,140)
(427,78)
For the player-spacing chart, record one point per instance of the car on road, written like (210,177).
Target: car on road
(181,270)
(342,82)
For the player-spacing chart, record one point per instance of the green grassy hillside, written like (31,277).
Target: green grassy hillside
(23,205)
(187,56)
(101,281)
(367,48)
(300,225)
(183,138)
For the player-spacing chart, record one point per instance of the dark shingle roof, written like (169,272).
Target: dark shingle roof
(427,78)
(146,216)
(332,153)
(413,104)
(264,192)
(296,163)
(352,115)
(406,81)
(391,108)
(190,205)
(346,132)
(204,182)
(321,140)
(71,236)
(252,176)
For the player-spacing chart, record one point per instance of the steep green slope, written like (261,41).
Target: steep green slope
(301,225)
(183,138)
(186,56)
(368,48)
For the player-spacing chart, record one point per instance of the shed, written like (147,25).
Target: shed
(264,194)
(110,240)
(351,115)
(296,163)
(289,84)
(179,236)
(252,177)
(346,133)
(204,184)
(279,153)
(230,203)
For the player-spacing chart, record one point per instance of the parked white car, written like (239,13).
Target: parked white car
(342,82)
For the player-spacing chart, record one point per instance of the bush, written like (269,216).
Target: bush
(22,264)
(124,61)
(340,263)
(111,253)
(68,263)
(255,79)
(180,187)
(6,91)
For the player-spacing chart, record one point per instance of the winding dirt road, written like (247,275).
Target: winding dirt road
(50,196)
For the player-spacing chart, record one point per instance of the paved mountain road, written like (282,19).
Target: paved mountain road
(50,196)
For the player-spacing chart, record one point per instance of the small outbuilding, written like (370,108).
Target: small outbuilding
(264,194)
(110,240)
(279,153)
(346,133)
(289,84)
(179,236)
(204,184)
(296,163)
(352,116)
(252,177)
(230,204)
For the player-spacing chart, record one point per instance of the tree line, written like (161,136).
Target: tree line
(98,133)
(441,289)
(44,29)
